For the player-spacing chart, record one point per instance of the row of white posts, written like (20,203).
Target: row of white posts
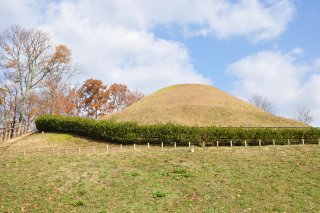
(190,146)
(6,134)
(260,144)
(217,144)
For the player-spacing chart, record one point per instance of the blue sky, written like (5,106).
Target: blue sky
(211,55)
(245,47)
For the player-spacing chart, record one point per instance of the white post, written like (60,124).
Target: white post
(288,141)
(217,143)
(134,147)
(231,143)
(259,142)
(192,148)
(161,145)
(302,141)
(245,143)
(107,148)
(148,146)
(189,144)
(42,132)
(121,147)
(175,145)
(274,142)
(203,145)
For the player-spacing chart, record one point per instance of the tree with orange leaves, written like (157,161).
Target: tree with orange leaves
(117,97)
(121,97)
(93,96)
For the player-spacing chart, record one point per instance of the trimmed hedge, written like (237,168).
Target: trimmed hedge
(131,132)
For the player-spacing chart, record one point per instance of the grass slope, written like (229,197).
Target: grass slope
(254,179)
(196,104)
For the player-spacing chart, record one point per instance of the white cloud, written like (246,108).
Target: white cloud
(114,39)
(27,13)
(136,58)
(251,18)
(279,77)
(255,19)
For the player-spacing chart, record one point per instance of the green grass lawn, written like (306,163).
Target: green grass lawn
(224,179)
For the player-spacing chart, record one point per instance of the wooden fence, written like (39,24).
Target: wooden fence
(6,134)
(118,148)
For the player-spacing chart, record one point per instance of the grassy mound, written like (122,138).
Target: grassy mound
(201,105)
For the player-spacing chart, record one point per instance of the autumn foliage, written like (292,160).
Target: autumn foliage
(96,99)
(35,79)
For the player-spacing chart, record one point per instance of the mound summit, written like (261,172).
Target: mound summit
(201,105)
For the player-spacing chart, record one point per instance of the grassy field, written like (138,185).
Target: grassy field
(224,179)
(197,104)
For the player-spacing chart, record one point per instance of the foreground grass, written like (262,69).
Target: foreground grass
(224,179)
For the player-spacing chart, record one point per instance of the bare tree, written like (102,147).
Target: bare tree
(10,104)
(303,114)
(133,97)
(56,88)
(263,103)
(27,58)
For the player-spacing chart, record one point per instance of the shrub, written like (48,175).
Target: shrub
(158,194)
(131,132)
(78,203)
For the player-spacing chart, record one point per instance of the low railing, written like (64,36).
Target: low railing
(6,134)
(121,148)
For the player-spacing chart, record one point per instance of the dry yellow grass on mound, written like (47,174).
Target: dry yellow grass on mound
(201,105)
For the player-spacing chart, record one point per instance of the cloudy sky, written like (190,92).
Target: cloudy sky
(244,47)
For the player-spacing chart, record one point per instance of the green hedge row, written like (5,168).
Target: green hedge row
(130,132)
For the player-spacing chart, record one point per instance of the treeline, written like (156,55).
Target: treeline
(130,132)
(35,79)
